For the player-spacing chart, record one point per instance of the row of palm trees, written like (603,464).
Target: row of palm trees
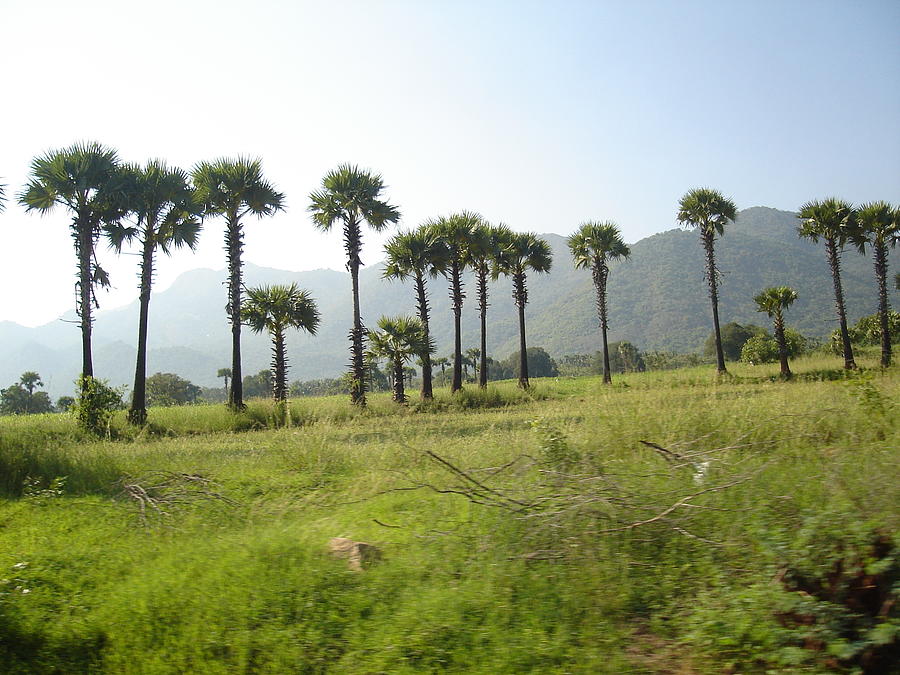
(163,208)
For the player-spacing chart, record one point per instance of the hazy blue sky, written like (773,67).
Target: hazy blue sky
(538,114)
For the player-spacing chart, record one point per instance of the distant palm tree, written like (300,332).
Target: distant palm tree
(233,189)
(773,301)
(592,246)
(519,253)
(167,217)
(472,357)
(85,179)
(483,249)
(275,309)
(349,195)
(399,340)
(833,220)
(879,225)
(709,211)
(442,363)
(454,234)
(415,255)
(226,373)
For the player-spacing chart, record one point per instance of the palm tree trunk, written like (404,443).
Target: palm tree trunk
(483,307)
(85,249)
(834,261)
(601,271)
(279,366)
(399,393)
(782,346)
(884,307)
(520,293)
(357,361)
(457,298)
(138,412)
(422,306)
(234,246)
(712,278)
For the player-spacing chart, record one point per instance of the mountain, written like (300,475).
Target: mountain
(658,300)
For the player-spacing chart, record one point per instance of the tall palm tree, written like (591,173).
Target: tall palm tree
(166,217)
(773,301)
(85,179)
(233,189)
(275,309)
(519,253)
(592,246)
(399,340)
(879,225)
(415,255)
(709,211)
(454,234)
(832,220)
(483,249)
(349,195)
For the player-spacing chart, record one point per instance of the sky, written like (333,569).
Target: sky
(540,115)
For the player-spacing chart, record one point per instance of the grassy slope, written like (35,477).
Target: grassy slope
(251,588)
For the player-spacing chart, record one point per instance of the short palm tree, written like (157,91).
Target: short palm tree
(234,189)
(224,373)
(773,301)
(399,340)
(832,220)
(878,224)
(517,255)
(349,196)
(275,309)
(167,216)
(454,235)
(415,255)
(709,211)
(85,179)
(483,249)
(593,246)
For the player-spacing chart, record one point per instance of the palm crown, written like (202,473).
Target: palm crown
(410,254)
(595,242)
(350,195)
(706,209)
(876,223)
(520,252)
(774,300)
(831,218)
(235,188)
(278,307)
(400,337)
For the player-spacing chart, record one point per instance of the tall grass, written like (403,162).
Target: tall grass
(247,585)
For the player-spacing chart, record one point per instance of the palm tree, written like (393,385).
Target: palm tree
(442,363)
(233,189)
(879,225)
(483,249)
(773,301)
(832,220)
(399,340)
(519,253)
(275,309)
(85,179)
(167,217)
(225,373)
(473,357)
(454,234)
(349,195)
(709,211)
(414,255)
(592,246)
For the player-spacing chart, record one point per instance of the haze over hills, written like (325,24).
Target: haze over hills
(658,300)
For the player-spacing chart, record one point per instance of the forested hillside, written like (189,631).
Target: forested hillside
(658,300)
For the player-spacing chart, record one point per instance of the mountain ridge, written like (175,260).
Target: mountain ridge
(657,300)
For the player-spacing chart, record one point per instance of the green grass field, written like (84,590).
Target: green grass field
(761,537)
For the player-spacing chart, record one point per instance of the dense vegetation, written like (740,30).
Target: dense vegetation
(609,537)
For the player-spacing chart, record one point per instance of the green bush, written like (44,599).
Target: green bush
(96,403)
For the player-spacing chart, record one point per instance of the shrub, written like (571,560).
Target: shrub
(96,403)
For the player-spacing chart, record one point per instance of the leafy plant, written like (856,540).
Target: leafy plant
(96,403)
